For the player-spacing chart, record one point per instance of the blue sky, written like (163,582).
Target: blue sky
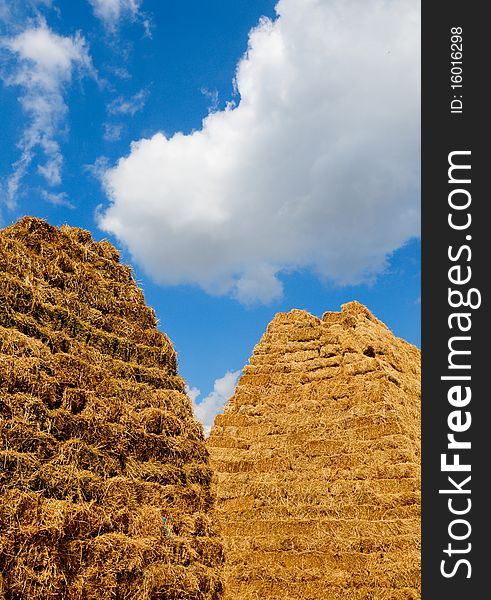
(249,157)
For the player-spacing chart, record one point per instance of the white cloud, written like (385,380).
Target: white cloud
(12,12)
(42,66)
(121,72)
(213,98)
(112,11)
(193,392)
(60,199)
(97,170)
(316,167)
(207,408)
(4,10)
(128,106)
(112,132)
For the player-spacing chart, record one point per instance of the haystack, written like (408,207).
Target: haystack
(104,475)
(317,463)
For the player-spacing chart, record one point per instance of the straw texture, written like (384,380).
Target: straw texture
(104,475)
(317,463)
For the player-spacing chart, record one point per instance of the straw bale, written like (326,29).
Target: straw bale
(317,463)
(105,484)
(308,589)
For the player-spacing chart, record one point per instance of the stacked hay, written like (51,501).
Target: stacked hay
(104,476)
(316,460)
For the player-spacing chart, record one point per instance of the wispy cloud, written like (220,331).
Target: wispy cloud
(15,12)
(121,72)
(4,10)
(213,98)
(98,168)
(59,199)
(112,12)
(213,404)
(128,106)
(112,131)
(41,64)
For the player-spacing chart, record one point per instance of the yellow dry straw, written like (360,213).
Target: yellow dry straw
(316,461)
(99,442)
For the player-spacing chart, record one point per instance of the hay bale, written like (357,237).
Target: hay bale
(104,475)
(317,463)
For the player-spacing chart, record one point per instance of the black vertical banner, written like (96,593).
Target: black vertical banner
(455,301)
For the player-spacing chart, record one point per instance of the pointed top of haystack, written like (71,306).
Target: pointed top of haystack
(354,308)
(104,480)
(351,315)
(295,315)
(33,229)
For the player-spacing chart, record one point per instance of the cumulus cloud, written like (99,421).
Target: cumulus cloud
(110,12)
(316,166)
(207,408)
(193,392)
(41,65)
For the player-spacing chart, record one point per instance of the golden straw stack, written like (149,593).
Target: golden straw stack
(104,475)
(317,463)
